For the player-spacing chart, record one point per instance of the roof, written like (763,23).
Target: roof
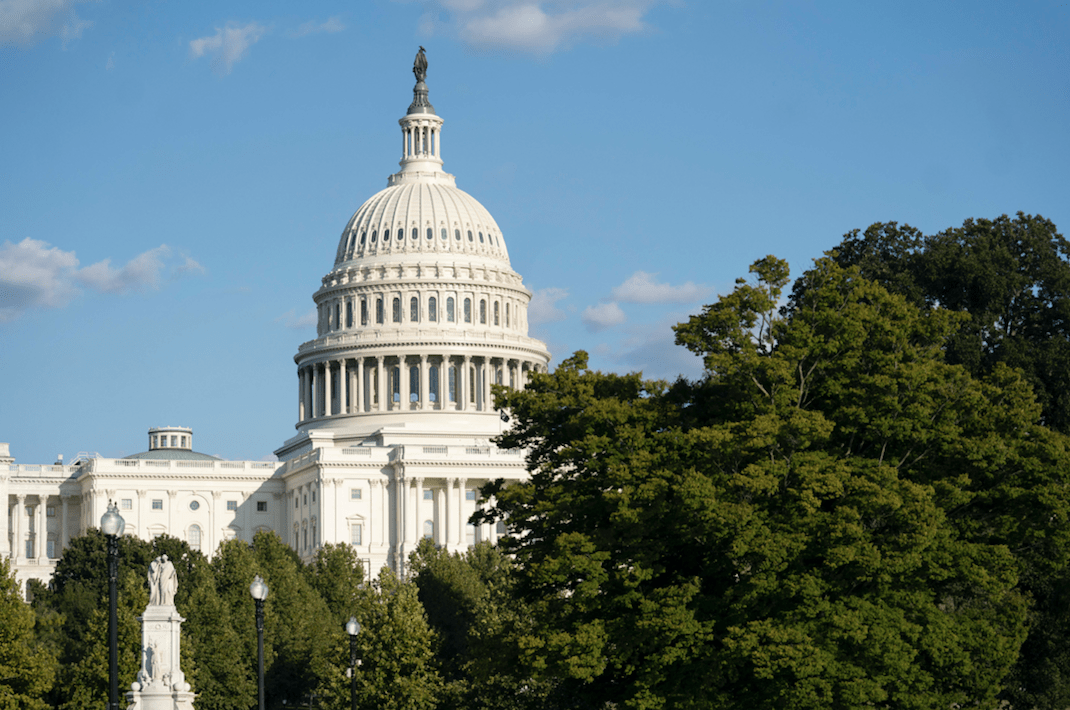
(173,455)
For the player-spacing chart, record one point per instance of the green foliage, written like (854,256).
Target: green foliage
(336,574)
(27,667)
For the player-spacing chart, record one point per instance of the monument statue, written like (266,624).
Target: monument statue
(419,67)
(163,582)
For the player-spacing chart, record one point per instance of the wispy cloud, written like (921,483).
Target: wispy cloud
(290,319)
(332,25)
(27,22)
(227,46)
(539,26)
(34,274)
(543,307)
(641,287)
(602,316)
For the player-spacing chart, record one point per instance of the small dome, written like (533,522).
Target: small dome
(421,217)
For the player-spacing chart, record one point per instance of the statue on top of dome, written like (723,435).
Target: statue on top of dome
(419,67)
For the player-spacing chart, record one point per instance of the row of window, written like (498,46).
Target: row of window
(491,239)
(157,504)
(394,375)
(495,313)
(160,442)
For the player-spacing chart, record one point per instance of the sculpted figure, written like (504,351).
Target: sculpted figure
(163,582)
(419,67)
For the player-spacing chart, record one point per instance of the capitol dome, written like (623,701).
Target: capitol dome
(420,315)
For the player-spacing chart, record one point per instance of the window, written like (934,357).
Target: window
(155,442)
(414,310)
(415,233)
(126,504)
(468,310)
(337,316)
(305,501)
(194,505)
(401,234)
(195,537)
(481,237)
(363,311)
(429,529)
(506,315)
(429,495)
(297,538)
(444,233)
(356,534)
(470,235)
(378,310)
(355,494)
(363,236)
(306,538)
(453,384)
(470,534)
(500,528)
(157,504)
(482,311)
(498,376)
(430,233)
(349,314)
(396,311)
(297,502)
(29,549)
(174,440)
(183,442)
(375,233)
(457,234)
(261,506)
(313,495)
(496,308)
(432,381)
(450,316)
(395,384)
(51,548)
(50,511)
(432,309)
(469,495)
(232,505)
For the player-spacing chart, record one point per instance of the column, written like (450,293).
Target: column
(18,546)
(358,375)
(328,404)
(425,384)
(5,548)
(399,503)
(380,385)
(343,388)
(405,384)
(418,510)
(440,517)
(314,390)
(461,483)
(40,536)
(488,379)
(449,513)
(64,530)
(464,384)
(301,394)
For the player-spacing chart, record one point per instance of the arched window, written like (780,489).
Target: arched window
(432,381)
(497,307)
(363,237)
(450,315)
(482,311)
(468,310)
(457,234)
(429,529)
(498,375)
(397,310)
(195,537)
(401,234)
(430,233)
(378,310)
(395,383)
(444,236)
(364,311)
(506,315)
(415,232)
(414,384)
(337,316)
(349,314)
(470,235)
(453,383)
(481,237)
(414,309)
(375,233)
(432,309)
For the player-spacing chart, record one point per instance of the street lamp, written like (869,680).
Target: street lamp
(112,525)
(353,628)
(259,590)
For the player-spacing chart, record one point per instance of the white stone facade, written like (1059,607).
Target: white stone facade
(420,315)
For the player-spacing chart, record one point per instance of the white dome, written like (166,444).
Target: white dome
(421,218)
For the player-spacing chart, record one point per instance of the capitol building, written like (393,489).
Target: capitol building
(419,315)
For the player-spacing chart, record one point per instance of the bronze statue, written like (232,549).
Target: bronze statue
(419,67)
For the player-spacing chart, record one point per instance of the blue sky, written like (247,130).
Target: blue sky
(174,176)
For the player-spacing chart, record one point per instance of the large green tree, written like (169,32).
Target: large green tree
(27,667)
(832,517)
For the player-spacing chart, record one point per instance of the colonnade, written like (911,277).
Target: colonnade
(381,383)
(30,530)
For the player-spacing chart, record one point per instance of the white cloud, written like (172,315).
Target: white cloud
(641,287)
(227,46)
(332,25)
(34,274)
(541,26)
(602,316)
(543,307)
(290,319)
(26,22)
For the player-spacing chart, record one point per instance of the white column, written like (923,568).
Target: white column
(17,543)
(400,485)
(449,513)
(461,483)
(358,375)
(418,509)
(40,536)
(343,388)
(328,405)
(314,390)
(464,383)
(404,384)
(440,516)
(380,385)
(64,529)
(301,395)
(425,385)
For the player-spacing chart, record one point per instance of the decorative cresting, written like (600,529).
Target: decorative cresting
(161,684)
(422,310)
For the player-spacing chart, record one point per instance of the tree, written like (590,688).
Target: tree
(336,574)
(27,668)
(825,520)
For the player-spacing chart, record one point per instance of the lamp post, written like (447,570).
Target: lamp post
(259,590)
(112,525)
(353,628)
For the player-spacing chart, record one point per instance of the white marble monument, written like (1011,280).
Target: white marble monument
(160,684)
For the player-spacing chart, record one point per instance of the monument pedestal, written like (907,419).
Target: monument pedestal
(161,684)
